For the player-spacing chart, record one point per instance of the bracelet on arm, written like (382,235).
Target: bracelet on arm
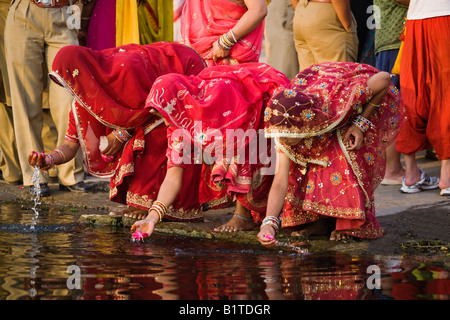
(160,208)
(234,37)
(272,221)
(122,135)
(362,123)
(61,154)
(223,44)
(51,164)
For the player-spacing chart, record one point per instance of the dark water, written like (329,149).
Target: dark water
(34,265)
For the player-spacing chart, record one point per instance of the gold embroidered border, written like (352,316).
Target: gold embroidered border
(145,201)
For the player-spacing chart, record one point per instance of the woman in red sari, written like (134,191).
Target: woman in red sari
(109,89)
(326,166)
(204,112)
(224,31)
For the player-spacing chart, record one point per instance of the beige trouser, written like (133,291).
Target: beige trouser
(279,38)
(320,37)
(33,36)
(9,161)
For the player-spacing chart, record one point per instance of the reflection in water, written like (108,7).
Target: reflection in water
(33,265)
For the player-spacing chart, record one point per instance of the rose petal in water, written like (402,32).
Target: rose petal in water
(139,236)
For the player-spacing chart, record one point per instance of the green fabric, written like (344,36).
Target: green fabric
(392,19)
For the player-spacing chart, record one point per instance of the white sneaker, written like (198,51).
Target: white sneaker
(425,183)
(445,192)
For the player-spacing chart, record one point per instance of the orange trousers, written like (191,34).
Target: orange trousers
(424,83)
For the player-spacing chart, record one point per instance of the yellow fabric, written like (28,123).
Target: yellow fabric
(127,27)
(155,21)
(396,67)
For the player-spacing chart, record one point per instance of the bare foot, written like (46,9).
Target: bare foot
(130,212)
(337,236)
(242,220)
(316,228)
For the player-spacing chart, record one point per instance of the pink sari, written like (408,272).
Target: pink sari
(220,100)
(326,179)
(109,89)
(203,22)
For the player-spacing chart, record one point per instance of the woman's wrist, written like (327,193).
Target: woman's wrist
(157,212)
(122,135)
(271,221)
(152,216)
(50,163)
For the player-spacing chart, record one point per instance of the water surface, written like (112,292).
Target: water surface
(34,265)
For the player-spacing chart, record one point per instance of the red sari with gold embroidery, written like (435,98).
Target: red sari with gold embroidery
(109,89)
(205,111)
(326,179)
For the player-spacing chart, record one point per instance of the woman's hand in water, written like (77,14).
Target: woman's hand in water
(267,237)
(144,228)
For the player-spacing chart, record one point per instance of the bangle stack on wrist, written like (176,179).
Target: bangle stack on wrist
(160,208)
(225,42)
(362,123)
(52,162)
(272,221)
(122,135)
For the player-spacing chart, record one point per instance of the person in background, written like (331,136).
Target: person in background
(364,13)
(224,31)
(111,23)
(9,159)
(424,77)
(392,16)
(34,33)
(279,38)
(324,30)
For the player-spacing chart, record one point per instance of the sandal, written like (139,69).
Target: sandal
(425,183)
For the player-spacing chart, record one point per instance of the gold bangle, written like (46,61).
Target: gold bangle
(61,154)
(373,104)
(158,211)
(157,202)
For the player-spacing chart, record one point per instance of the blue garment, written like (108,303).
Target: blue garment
(385,61)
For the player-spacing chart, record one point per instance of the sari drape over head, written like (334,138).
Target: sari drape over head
(109,89)
(325,179)
(204,22)
(208,109)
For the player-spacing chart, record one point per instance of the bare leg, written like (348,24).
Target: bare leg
(242,220)
(412,173)
(394,169)
(444,181)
